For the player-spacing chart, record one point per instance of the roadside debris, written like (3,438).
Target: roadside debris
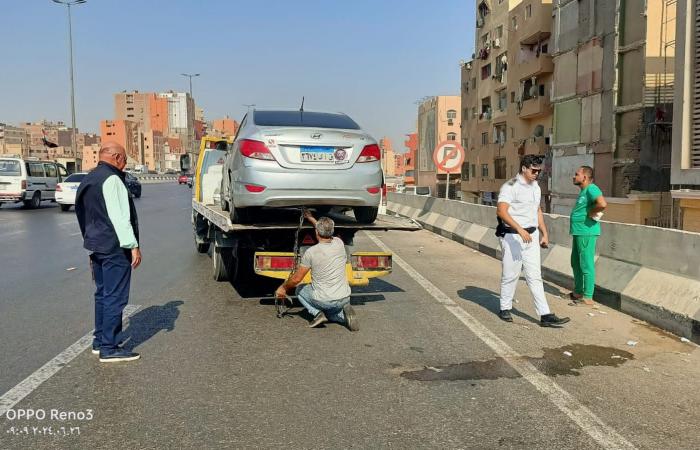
(686,340)
(70,268)
(568,354)
(591,314)
(632,343)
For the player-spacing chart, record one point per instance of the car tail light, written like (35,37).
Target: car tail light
(254,188)
(384,190)
(370,153)
(255,149)
(373,190)
(280,263)
(371,262)
(24,184)
(59,188)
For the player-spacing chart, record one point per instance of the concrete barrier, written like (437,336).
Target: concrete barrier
(648,272)
(149,178)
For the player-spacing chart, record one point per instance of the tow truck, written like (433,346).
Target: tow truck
(271,246)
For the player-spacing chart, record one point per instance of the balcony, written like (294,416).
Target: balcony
(536,66)
(538,27)
(534,146)
(535,107)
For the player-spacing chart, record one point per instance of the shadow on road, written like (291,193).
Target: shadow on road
(490,301)
(146,323)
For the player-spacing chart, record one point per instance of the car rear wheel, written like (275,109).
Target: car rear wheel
(65,208)
(365,214)
(35,201)
(221,258)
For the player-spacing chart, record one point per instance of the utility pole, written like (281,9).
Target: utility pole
(74,141)
(188,75)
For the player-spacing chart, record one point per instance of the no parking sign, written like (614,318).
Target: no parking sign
(448,157)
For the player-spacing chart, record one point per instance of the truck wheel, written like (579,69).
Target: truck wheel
(65,208)
(220,258)
(203,247)
(35,201)
(365,214)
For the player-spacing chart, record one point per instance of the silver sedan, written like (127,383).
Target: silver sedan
(300,158)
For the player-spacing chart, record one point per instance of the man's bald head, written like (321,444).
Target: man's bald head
(113,154)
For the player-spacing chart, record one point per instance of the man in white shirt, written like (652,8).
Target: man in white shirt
(327,298)
(522,231)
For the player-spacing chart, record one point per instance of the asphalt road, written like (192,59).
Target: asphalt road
(431,367)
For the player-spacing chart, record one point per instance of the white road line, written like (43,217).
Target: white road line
(12,233)
(605,435)
(10,398)
(75,234)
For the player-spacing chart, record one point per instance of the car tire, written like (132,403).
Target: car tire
(65,208)
(220,258)
(239,215)
(34,202)
(365,214)
(138,194)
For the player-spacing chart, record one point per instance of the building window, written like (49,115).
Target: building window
(484,170)
(500,168)
(502,100)
(130,108)
(486,71)
(484,138)
(451,114)
(473,170)
(512,97)
(499,32)
(528,11)
(499,134)
(474,83)
(486,108)
(465,171)
(451,136)
(514,23)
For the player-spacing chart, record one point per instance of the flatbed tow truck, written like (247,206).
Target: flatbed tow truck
(272,245)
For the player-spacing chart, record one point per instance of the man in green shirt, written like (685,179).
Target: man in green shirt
(585,229)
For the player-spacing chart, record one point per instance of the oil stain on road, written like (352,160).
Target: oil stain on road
(562,361)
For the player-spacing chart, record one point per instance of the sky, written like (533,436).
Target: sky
(371,59)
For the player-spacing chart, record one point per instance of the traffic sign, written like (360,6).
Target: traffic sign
(448,157)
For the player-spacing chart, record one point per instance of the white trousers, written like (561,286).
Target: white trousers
(517,255)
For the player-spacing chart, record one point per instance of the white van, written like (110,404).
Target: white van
(29,180)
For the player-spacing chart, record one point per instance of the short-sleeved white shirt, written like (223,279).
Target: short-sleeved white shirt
(523,198)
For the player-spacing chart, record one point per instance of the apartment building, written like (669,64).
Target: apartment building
(612,94)
(506,88)
(225,127)
(91,156)
(685,170)
(411,144)
(388,157)
(181,112)
(13,140)
(438,120)
(145,108)
(126,133)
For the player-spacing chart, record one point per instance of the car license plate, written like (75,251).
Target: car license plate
(317,154)
(74,188)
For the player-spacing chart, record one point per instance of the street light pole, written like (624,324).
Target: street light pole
(190,75)
(74,140)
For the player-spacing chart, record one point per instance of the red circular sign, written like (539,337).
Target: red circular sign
(448,157)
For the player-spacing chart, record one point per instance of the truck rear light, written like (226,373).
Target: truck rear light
(254,188)
(371,262)
(373,190)
(255,149)
(370,153)
(280,263)
(24,184)
(59,188)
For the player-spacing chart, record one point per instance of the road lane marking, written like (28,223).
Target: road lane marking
(12,233)
(75,234)
(10,398)
(591,424)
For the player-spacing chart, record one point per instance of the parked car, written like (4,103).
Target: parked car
(133,185)
(29,180)
(294,158)
(66,190)
(182,179)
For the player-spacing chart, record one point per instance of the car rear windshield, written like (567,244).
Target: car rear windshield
(304,119)
(75,178)
(9,168)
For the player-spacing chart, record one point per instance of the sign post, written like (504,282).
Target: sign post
(448,157)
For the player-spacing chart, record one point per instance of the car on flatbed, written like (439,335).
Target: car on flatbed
(283,158)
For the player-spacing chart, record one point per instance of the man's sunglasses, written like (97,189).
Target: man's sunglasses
(535,171)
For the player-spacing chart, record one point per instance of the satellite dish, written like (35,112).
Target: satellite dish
(539,131)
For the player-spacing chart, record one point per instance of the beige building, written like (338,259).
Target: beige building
(91,156)
(506,89)
(388,157)
(612,104)
(438,120)
(154,150)
(13,140)
(685,169)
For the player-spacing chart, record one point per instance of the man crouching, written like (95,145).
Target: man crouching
(327,298)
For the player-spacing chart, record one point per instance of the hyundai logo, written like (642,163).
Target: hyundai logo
(316,136)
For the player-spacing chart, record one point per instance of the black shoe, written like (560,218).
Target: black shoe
(318,320)
(551,320)
(505,315)
(96,347)
(118,355)
(350,318)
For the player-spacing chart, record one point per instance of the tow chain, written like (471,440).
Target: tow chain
(280,304)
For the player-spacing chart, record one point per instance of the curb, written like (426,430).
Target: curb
(667,300)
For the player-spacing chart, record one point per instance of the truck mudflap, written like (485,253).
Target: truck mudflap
(361,267)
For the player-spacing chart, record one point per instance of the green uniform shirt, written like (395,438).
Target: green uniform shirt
(581,224)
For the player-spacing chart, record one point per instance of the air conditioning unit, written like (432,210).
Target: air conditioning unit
(497,43)
(469,66)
